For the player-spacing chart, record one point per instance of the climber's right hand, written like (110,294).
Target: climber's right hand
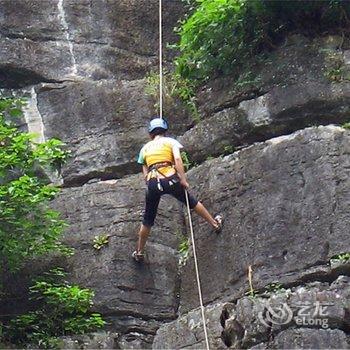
(184,183)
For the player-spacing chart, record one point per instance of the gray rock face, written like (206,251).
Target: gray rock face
(104,124)
(311,339)
(77,61)
(114,208)
(187,331)
(127,293)
(280,111)
(102,340)
(299,60)
(53,40)
(280,217)
(308,317)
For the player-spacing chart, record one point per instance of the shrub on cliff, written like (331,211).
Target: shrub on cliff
(28,227)
(64,309)
(220,35)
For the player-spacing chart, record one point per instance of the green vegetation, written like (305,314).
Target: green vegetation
(229,149)
(335,66)
(272,288)
(100,241)
(346,125)
(345,257)
(188,164)
(28,227)
(174,87)
(184,247)
(64,309)
(220,35)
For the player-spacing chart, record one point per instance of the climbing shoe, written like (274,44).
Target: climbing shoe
(219,219)
(137,256)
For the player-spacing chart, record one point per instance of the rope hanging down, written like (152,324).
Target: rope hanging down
(187,201)
(160,62)
(197,271)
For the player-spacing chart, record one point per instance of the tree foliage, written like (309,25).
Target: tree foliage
(28,227)
(220,35)
(63,309)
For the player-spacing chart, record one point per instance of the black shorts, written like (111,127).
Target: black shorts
(170,186)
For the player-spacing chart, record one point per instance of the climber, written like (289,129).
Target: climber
(164,173)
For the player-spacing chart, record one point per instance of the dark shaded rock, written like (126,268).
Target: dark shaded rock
(282,110)
(40,62)
(135,333)
(312,306)
(104,124)
(102,340)
(285,203)
(15,78)
(187,331)
(311,339)
(134,340)
(299,60)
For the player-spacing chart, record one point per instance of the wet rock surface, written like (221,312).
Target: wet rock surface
(55,39)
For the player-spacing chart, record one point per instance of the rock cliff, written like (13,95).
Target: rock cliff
(266,157)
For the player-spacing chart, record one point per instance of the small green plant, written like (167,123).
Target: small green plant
(335,68)
(229,149)
(247,79)
(186,161)
(344,257)
(184,245)
(64,310)
(183,249)
(346,125)
(100,241)
(174,87)
(252,294)
(274,287)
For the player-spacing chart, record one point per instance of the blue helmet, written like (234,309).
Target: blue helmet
(157,123)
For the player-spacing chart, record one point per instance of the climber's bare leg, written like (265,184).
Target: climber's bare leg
(203,212)
(143,235)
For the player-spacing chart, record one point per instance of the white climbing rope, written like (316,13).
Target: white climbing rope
(187,201)
(197,271)
(160,61)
